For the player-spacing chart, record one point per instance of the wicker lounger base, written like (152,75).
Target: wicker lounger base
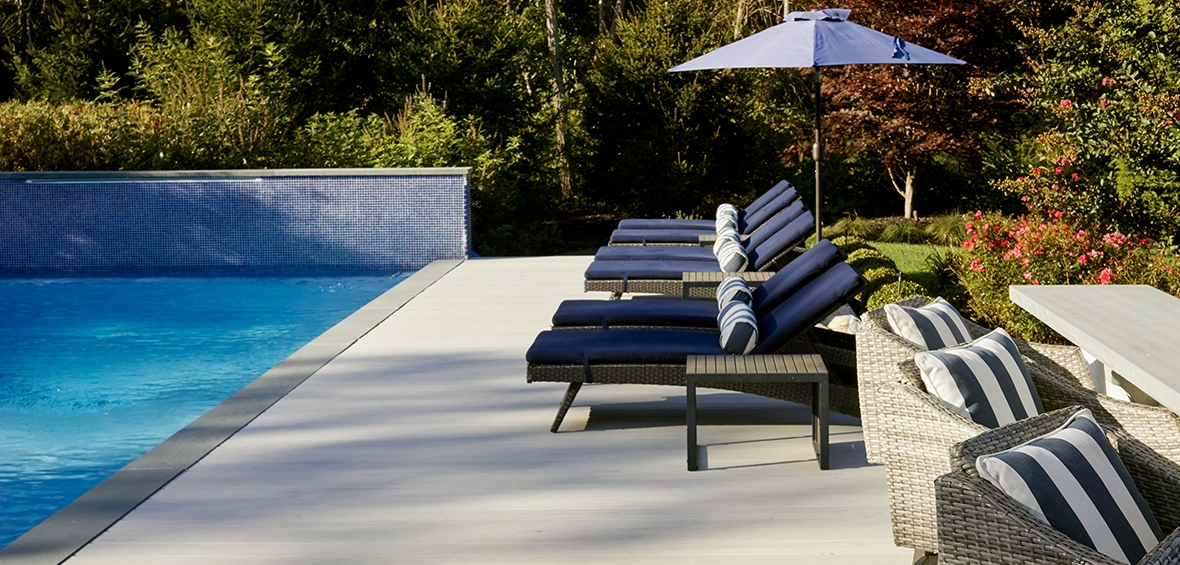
(841,398)
(647,286)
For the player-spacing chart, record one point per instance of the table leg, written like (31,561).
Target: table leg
(690,417)
(819,422)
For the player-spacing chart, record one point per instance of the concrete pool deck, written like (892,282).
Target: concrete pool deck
(420,442)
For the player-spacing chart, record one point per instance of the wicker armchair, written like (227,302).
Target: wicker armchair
(978,524)
(879,350)
(915,443)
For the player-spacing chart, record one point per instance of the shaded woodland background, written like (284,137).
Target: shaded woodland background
(566,111)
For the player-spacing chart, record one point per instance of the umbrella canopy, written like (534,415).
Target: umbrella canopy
(823,38)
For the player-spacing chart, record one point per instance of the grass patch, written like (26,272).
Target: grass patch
(911,261)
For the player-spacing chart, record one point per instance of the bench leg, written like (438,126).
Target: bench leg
(566,402)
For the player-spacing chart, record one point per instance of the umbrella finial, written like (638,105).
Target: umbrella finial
(899,51)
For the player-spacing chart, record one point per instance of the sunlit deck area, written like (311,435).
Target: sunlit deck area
(422,443)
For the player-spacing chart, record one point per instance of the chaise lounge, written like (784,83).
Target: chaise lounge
(667,277)
(659,356)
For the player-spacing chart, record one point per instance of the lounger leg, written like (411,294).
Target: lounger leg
(570,393)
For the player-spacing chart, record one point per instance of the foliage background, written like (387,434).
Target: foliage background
(187,84)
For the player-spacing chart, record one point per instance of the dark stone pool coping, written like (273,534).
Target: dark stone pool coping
(72,527)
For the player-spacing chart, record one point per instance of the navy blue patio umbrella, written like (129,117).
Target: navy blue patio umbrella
(823,38)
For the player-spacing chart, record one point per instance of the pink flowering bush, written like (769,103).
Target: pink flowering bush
(1051,248)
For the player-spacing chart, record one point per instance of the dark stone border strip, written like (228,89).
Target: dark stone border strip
(72,527)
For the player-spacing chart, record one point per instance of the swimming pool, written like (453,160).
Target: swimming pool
(96,371)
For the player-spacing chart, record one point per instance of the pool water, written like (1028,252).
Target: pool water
(94,372)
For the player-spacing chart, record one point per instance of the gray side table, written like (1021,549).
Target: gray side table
(691,281)
(804,368)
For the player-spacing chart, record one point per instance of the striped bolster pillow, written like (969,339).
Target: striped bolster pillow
(739,328)
(726,210)
(724,222)
(722,236)
(933,326)
(1073,480)
(731,257)
(985,380)
(733,288)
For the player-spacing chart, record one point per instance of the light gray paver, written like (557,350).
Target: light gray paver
(422,443)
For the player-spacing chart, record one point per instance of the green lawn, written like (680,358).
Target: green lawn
(911,260)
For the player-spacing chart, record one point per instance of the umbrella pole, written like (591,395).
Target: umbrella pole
(816,153)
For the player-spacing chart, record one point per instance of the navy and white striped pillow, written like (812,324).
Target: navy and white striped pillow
(725,222)
(733,288)
(933,326)
(1073,480)
(985,381)
(739,328)
(726,210)
(731,257)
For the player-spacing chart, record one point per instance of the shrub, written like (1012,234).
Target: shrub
(866,259)
(903,232)
(848,243)
(890,293)
(854,226)
(948,229)
(1002,251)
(81,136)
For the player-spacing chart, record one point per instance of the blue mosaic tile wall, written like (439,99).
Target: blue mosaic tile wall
(260,224)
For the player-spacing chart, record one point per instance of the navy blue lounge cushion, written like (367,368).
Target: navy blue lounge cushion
(793,234)
(697,313)
(701,225)
(758,203)
(571,347)
(773,225)
(796,314)
(660,235)
(654,253)
(665,224)
(753,220)
(612,313)
(749,224)
(796,273)
(654,270)
(807,306)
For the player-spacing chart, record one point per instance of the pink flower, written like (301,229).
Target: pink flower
(1107,81)
(1082,259)
(1066,104)
(1059,170)
(1058,214)
(1027,275)
(1019,179)
(1024,261)
(1035,283)
(978,214)
(1103,103)
(1037,171)
(1104,276)
(1073,176)
(977,265)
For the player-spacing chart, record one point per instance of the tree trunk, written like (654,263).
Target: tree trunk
(739,19)
(620,5)
(907,190)
(558,97)
(601,17)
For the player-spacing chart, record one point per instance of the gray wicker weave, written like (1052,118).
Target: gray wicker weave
(915,432)
(978,524)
